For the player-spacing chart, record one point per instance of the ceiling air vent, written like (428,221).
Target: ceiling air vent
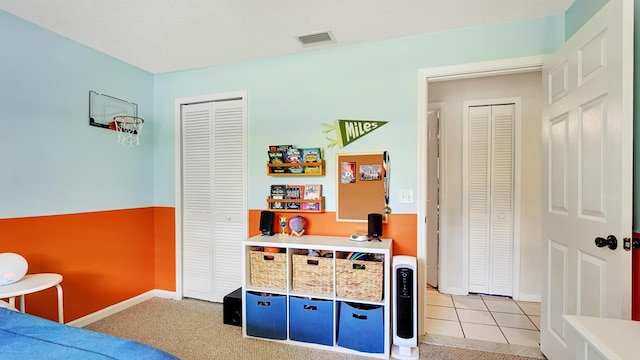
(316,39)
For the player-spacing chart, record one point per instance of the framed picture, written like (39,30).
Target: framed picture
(370,172)
(347,172)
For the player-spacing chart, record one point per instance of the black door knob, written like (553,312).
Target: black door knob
(610,242)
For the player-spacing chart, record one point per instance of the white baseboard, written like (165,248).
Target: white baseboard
(110,310)
(519,297)
(165,294)
(528,297)
(452,290)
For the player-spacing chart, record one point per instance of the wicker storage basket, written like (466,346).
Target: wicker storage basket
(359,280)
(312,274)
(269,270)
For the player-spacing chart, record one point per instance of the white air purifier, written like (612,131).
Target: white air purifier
(405,308)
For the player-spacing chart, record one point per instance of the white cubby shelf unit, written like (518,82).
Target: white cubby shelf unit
(329,303)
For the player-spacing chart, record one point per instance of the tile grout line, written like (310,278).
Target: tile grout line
(500,328)
(455,308)
(494,319)
(528,318)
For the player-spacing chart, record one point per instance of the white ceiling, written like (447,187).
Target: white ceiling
(171,35)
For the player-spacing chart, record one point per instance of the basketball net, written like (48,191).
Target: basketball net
(128,129)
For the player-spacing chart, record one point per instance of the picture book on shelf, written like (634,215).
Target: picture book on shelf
(293,192)
(311,206)
(276,157)
(279,147)
(278,193)
(292,156)
(312,155)
(312,191)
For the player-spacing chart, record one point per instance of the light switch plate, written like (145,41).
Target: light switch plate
(406,196)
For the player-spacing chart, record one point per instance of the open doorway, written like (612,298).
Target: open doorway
(473,210)
(452,260)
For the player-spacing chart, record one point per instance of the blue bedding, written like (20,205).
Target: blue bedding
(23,336)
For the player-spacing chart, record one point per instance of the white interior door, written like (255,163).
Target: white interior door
(587,179)
(433,191)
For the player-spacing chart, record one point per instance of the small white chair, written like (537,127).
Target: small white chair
(6,305)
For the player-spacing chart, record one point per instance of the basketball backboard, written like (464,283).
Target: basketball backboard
(102,109)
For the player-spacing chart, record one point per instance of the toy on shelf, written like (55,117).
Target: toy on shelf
(297,225)
(283,225)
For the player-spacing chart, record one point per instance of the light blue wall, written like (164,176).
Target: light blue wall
(56,163)
(579,13)
(291,96)
(51,160)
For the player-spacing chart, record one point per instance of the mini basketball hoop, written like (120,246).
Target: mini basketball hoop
(128,129)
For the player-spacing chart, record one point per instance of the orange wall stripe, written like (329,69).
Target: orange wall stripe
(104,257)
(107,257)
(165,248)
(402,228)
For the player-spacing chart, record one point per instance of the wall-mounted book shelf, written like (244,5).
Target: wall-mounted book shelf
(301,169)
(315,205)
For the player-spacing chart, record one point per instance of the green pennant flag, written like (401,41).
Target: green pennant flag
(348,131)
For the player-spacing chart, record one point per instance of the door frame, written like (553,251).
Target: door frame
(443,73)
(440,109)
(178,169)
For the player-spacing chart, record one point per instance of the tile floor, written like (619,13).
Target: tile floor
(483,317)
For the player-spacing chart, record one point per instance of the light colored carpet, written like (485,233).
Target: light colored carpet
(193,329)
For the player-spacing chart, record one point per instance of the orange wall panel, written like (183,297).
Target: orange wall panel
(165,248)
(104,257)
(402,228)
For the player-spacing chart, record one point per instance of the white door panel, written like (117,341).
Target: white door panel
(587,184)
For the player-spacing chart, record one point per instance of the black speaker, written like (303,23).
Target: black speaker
(375,226)
(266,222)
(232,308)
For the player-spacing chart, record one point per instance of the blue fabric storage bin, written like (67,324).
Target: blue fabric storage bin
(266,316)
(361,327)
(311,320)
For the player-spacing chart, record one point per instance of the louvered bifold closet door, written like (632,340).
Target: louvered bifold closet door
(478,197)
(197,202)
(229,194)
(214,197)
(502,189)
(490,188)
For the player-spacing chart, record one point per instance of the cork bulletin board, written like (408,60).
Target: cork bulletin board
(360,186)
